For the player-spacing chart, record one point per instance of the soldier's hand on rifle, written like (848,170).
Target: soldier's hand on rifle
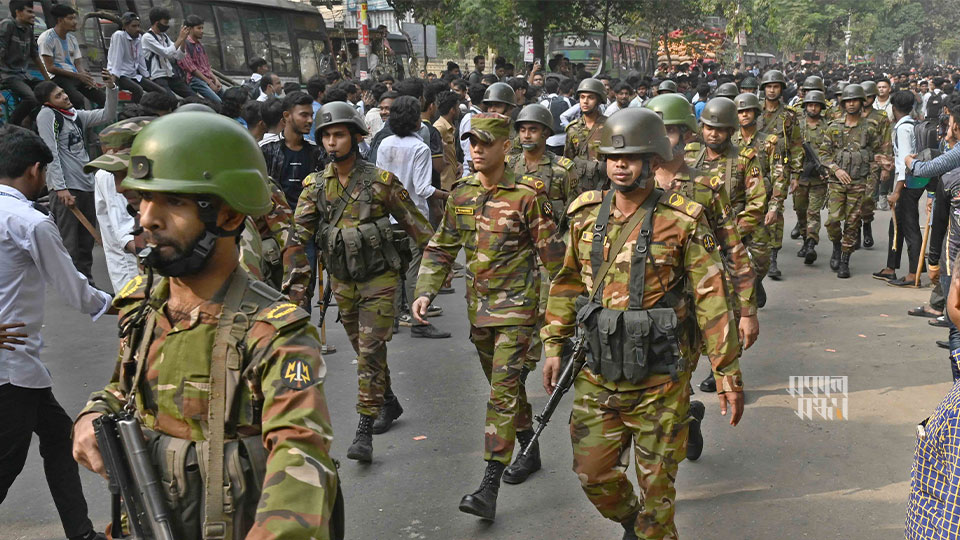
(551,372)
(843,176)
(8,338)
(85,449)
(749,330)
(419,309)
(733,401)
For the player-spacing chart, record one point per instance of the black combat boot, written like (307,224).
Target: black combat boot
(630,527)
(774,272)
(835,258)
(483,501)
(761,293)
(362,447)
(695,439)
(868,234)
(390,411)
(523,467)
(811,256)
(709,384)
(796,231)
(843,270)
(803,250)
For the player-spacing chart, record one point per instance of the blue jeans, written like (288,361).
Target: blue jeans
(203,89)
(954,333)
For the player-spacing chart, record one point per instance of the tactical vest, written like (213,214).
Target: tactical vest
(731,156)
(359,254)
(227,509)
(813,171)
(853,155)
(631,345)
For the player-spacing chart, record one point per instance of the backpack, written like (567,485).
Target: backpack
(926,144)
(558,105)
(252,87)
(935,104)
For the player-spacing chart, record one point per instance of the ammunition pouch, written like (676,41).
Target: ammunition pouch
(270,250)
(593,173)
(855,162)
(361,253)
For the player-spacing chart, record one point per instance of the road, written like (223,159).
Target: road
(774,476)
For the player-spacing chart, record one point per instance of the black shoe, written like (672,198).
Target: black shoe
(695,439)
(523,467)
(428,331)
(761,294)
(390,411)
(811,256)
(803,250)
(843,269)
(483,501)
(835,257)
(774,272)
(629,527)
(709,384)
(796,231)
(943,344)
(362,448)
(868,234)
(882,276)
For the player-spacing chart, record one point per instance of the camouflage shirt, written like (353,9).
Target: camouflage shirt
(885,128)
(683,255)
(502,230)
(285,257)
(814,136)
(583,142)
(851,147)
(746,188)
(289,415)
(771,164)
(558,176)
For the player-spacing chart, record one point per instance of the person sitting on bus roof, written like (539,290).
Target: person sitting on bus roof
(61,56)
(195,63)
(126,61)
(17,46)
(160,52)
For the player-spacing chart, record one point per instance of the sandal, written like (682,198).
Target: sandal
(923,311)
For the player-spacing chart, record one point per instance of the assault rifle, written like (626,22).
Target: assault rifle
(132,478)
(573,363)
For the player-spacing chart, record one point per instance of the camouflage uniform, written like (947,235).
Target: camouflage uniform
(851,149)
(748,195)
(810,195)
(653,414)
(788,155)
(581,147)
(285,258)
(503,231)
(774,175)
(886,149)
(366,308)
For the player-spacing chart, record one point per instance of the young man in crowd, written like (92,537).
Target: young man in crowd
(17,47)
(61,56)
(195,63)
(160,53)
(126,61)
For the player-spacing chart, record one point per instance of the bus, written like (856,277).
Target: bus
(390,54)
(764,59)
(622,55)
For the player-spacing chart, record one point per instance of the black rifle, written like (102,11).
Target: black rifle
(574,363)
(812,161)
(325,300)
(132,478)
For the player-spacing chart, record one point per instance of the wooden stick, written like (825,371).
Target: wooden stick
(923,247)
(87,225)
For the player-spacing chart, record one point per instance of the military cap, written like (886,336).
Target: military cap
(488,127)
(117,138)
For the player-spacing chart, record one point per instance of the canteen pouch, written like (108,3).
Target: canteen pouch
(610,331)
(361,253)
(333,249)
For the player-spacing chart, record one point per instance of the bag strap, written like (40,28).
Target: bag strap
(584,145)
(214,520)
(728,176)
(638,264)
(600,234)
(341,203)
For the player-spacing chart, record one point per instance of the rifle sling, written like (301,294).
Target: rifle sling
(341,203)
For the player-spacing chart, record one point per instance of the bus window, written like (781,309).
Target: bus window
(279,43)
(210,42)
(305,23)
(231,39)
(309,67)
(256,31)
(143,8)
(176,18)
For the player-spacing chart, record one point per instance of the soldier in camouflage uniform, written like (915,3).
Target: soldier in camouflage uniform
(247,415)
(503,222)
(778,119)
(709,192)
(877,174)
(848,149)
(742,177)
(668,281)
(810,188)
(347,209)
(583,134)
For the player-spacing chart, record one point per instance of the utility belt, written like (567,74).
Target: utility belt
(365,252)
(855,162)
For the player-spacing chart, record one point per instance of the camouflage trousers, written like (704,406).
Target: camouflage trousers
(775,232)
(603,425)
(869,203)
(503,351)
(535,351)
(758,244)
(843,213)
(367,312)
(808,201)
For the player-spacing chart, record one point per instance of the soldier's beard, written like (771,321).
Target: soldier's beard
(718,147)
(811,115)
(185,261)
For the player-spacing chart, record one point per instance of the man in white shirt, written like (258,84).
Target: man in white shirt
(32,256)
(882,103)
(475,92)
(161,54)
(125,59)
(270,86)
(61,55)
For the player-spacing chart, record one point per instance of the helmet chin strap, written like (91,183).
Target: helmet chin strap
(718,147)
(638,183)
(197,255)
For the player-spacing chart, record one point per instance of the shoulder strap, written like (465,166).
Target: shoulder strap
(600,234)
(728,176)
(698,162)
(341,203)
(638,263)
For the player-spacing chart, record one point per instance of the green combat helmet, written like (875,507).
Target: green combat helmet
(727,90)
(773,76)
(852,91)
(815,96)
(674,109)
(813,82)
(500,93)
(667,87)
(635,131)
(720,113)
(195,107)
(592,85)
(339,112)
(749,84)
(537,114)
(747,101)
(869,88)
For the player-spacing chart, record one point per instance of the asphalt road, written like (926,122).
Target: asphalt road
(774,476)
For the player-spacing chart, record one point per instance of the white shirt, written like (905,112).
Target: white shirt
(116,228)
(374,123)
(465,143)
(903,145)
(50,44)
(409,159)
(886,106)
(31,256)
(158,52)
(125,57)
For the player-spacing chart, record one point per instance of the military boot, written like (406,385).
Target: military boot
(709,384)
(774,272)
(483,501)
(843,269)
(868,234)
(523,467)
(835,258)
(803,250)
(695,438)
(630,527)
(796,231)
(362,447)
(811,256)
(761,293)
(390,411)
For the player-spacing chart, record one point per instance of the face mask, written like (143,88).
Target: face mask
(163,27)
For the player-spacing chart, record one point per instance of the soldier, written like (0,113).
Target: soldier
(583,134)
(847,150)
(659,293)
(742,176)
(500,98)
(347,209)
(667,87)
(559,184)
(247,414)
(877,174)
(781,121)
(810,187)
(503,222)
(749,85)
(728,90)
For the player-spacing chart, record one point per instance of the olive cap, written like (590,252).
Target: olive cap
(488,127)
(537,114)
